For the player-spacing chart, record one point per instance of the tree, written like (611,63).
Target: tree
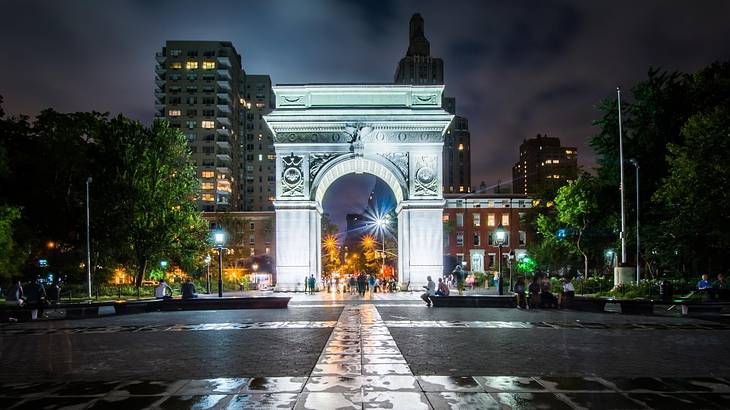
(577,206)
(155,187)
(695,194)
(371,260)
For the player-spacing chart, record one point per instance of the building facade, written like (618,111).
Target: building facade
(198,91)
(544,165)
(251,238)
(418,67)
(470,223)
(257,178)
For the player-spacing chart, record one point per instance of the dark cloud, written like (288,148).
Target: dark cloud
(517,68)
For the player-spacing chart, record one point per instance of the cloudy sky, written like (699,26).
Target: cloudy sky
(517,68)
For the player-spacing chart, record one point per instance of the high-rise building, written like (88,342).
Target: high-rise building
(202,89)
(544,165)
(197,90)
(257,180)
(419,67)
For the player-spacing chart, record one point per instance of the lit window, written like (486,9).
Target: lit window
(207,124)
(224,186)
(446,218)
(208,197)
(261,157)
(271,157)
(252,252)
(490,219)
(476,219)
(505,219)
(207,174)
(173,113)
(460,239)
(268,251)
(206,186)
(208,65)
(461,147)
(191,65)
(176,65)
(260,105)
(556,161)
(461,188)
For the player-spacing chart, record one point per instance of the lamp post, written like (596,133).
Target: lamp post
(500,241)
(219,237)
(638,244)
(621,184)
(88,236)
(382,224)
(207,275)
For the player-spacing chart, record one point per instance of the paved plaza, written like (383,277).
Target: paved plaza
(385,351)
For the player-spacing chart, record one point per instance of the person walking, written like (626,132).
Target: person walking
(460,277)
(430,291)
(312,284)
(353,284)
(36,296)
(534,292)
(361,282)
(371,283)
(306,285)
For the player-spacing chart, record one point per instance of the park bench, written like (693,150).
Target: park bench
(629,307)
(475,301)
(260,302)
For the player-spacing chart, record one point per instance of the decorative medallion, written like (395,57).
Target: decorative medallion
(292,183)
(426,178)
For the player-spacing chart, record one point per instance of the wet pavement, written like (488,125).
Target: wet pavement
(382,352)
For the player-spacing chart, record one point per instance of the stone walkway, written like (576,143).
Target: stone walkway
(362,367)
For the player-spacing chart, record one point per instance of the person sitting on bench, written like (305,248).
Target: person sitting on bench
(443,288)
(161,290)
(188,290)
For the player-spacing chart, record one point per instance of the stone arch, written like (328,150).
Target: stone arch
(352,164)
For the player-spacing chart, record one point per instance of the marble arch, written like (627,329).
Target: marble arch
(323,132)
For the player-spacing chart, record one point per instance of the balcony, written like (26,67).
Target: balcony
(223,143)
(224,156)
(160,83)
(159,106)
(224,170)
(224,108)
(224,121)
(224,60)
(224,85)
(224,131)
(159,95)
(159,70)
(223,74)
(160,57)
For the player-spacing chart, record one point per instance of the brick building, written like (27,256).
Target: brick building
(470,222)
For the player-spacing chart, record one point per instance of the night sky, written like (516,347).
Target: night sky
(516,68)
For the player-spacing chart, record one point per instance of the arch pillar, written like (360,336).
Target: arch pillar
(298,238)
(420,242)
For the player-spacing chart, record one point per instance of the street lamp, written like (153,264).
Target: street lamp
(207,275)
(382,224)
(219,238)
(163,264)
(635,163)
(500,233)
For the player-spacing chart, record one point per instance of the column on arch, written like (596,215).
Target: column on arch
(420,241)
(298,230)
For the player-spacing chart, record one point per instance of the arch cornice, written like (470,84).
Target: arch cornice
(355,164)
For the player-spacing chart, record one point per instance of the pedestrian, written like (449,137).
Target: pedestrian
(567,293)
(443,288)
(15,296)
(188,290)
(430,291)
(546,297)
(54,292)
(519,290)
(306,285)
(704,283)
(36,296)
(534,292)
(353,284)
(312,284)
(721,287)
(361,282)
(161,290)
(459,274)
(371,284)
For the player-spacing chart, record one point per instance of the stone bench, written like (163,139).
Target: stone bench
(628,307)
(261,302)
(475,301)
